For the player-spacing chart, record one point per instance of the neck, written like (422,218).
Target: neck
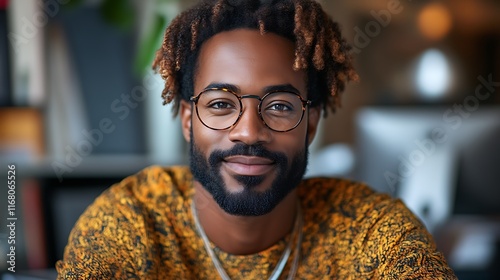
(241,235)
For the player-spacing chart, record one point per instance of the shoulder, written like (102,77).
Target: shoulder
(349,198)
(334,187)
(377,235)
(357,215)
(141,199)
(116,229)
(154,181)
(347,203)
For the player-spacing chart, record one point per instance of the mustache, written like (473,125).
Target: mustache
(217,156)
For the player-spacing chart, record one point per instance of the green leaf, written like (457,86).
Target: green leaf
(149,45)
(71,4)
(118,12)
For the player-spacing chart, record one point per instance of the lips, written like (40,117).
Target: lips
(248,165)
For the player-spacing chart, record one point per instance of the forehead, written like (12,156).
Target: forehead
(248,60)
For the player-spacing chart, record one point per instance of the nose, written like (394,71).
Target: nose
(250,129)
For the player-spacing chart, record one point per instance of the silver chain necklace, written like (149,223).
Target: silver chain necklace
(297,230)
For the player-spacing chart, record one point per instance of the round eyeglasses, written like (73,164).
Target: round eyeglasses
(221,108)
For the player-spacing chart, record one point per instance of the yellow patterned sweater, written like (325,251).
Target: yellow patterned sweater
(142,228)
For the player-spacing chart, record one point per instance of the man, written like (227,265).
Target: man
(250,80)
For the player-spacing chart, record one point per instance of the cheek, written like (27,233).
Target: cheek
(206,139)
(291,142)
(300,133)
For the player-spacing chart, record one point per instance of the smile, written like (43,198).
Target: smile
(248,165)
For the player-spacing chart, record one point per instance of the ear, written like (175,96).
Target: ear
(313,119)
(186,112)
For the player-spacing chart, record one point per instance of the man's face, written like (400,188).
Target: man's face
(248,169)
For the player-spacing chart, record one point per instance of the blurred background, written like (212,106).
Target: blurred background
(80,109)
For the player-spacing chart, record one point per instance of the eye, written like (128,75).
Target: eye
(281,103)
(279,107)
(220,105)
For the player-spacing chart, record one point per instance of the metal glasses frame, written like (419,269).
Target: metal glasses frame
(305,103)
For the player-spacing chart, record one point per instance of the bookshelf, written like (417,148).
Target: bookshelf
(91,129)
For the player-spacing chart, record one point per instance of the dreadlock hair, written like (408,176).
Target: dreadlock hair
(319,48)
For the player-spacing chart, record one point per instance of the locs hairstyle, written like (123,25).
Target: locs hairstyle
(320,49)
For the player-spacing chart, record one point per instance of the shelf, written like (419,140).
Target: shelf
(92,166)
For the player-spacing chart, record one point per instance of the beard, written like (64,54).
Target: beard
(248,202)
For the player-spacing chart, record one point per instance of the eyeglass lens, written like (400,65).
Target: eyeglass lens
(221,109)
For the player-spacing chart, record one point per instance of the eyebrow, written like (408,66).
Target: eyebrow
(283,87)
(230,87)
(236,89)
